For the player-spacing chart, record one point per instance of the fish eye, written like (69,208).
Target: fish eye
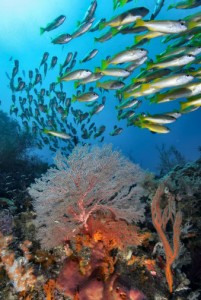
(182,22)
(190,55)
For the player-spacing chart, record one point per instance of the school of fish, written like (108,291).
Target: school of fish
(175,74)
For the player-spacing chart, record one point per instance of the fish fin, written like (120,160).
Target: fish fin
(42,30)
(139,23)
(104,64)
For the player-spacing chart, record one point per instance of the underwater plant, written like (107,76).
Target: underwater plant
(90,179)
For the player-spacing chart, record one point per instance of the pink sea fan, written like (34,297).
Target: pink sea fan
(90,178)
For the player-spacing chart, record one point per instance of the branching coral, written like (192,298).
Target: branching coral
(160,220)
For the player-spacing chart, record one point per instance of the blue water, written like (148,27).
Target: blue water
(20,38)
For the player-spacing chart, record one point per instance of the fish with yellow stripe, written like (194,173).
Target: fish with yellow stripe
(163,26)
(124,56)
(194,101)
(126,17)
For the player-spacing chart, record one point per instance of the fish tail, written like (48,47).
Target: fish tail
(73,99)
(59,79)
(102,25)
(152,17)
(104,64)
(126,95)
(149,65)
(183,106)
(191,24)
(114,31)
(91,114)
(76,84)
(78,23)
(139,23)
(45,130)
(153,99)
(158,57)
(123,2)
(42,30)
(115,4)
(170,6)
(137,39)
(97,70)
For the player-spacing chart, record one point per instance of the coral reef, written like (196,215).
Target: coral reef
(107,256)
